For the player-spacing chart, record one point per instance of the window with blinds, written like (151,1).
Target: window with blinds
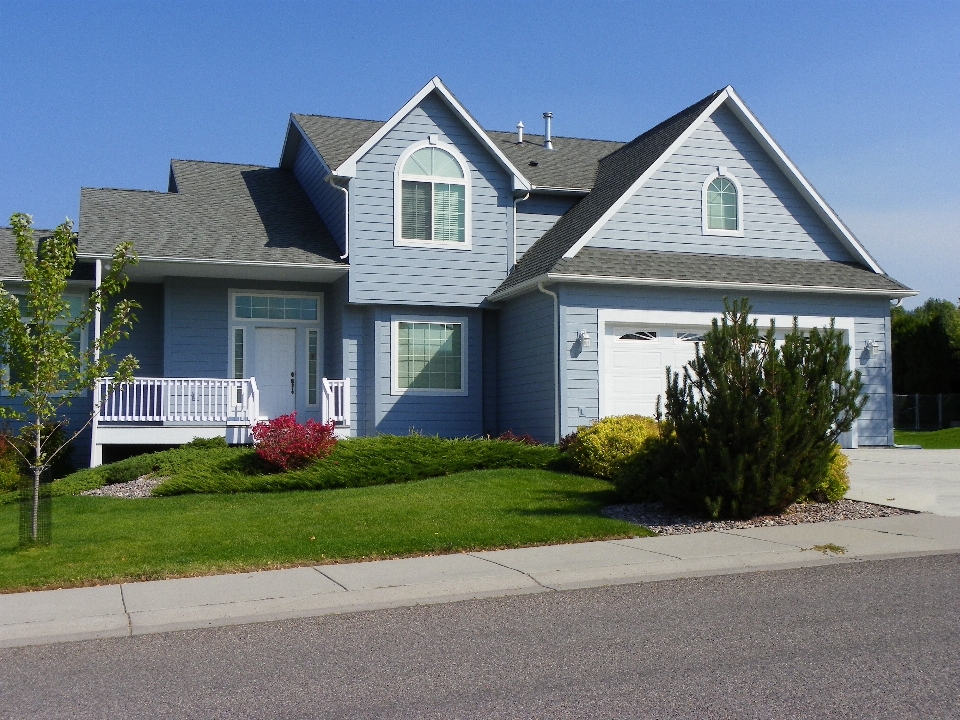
(433,197)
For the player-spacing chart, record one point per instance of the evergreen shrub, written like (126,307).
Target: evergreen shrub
(836,483)
(10,466)
(751,425)
(601,449)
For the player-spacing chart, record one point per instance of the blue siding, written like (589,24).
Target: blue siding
(146,338)
(526,377)
(580,370)
(665,214)
(447,416)
(329,202)
(536,215)
(383,273)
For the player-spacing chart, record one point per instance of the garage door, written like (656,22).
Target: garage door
(636,358)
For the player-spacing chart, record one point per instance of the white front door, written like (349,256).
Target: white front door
(275,372)
(637,357)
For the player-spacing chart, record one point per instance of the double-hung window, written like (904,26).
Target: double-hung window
(429,356)
(433,198)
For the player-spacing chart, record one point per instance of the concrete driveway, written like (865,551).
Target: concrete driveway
(924,480)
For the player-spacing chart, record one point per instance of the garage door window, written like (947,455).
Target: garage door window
(641,335)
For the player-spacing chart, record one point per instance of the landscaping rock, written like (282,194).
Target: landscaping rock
(142,487)
(664,522)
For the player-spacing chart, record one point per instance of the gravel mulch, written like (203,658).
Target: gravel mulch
(142,487)
(662,521)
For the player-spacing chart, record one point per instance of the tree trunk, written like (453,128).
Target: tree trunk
(37,471)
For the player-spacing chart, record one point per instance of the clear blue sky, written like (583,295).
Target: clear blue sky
(865,97)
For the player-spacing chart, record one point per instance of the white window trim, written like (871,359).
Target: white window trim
(306,367)
(398,177)
(246,351)
(233,292)
(395,321)
(725,173)
(84,344)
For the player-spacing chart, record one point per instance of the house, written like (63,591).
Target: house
(426,274)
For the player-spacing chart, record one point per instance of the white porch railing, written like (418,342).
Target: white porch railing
(336,401)
(179,400)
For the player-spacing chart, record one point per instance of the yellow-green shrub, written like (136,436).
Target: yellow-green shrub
(602,448)
(836,482)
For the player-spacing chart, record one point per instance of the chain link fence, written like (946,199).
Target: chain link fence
(926,412)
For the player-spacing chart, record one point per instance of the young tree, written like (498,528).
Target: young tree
(38,345)
(751,423)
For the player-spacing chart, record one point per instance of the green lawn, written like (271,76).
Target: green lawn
(100,540)
(932,440)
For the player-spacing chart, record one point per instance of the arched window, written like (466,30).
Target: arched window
(722,204)
(433,197)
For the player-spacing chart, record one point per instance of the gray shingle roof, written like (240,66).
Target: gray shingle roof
(571,164)
(617,172)
(239,213)
(9,265)
(732,269)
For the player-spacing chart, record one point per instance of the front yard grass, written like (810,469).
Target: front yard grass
(948,439)
(102,540)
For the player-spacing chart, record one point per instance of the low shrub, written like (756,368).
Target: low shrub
(287,445)
(836,483)
(129,469)
(601,449)
(214,443)
(510,436)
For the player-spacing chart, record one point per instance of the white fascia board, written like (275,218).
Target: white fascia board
(639,182)
(349,166)
(696,284)
(803,186)
(208,261)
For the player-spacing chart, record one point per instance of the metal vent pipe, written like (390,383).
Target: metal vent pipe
(520,132)
(547,142)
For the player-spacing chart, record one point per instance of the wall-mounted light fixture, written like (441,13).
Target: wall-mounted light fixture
(583,337)
(872,347)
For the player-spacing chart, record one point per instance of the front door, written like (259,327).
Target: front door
(275,372)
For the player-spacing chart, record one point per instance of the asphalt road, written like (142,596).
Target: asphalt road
(865,640)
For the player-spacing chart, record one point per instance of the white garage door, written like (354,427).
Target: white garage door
(636,358)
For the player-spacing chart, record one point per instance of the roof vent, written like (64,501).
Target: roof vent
(547,143)
(520,132)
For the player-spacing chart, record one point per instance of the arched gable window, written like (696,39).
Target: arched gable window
(432,196)
(722,204)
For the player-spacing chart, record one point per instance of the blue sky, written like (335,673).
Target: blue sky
(864,97)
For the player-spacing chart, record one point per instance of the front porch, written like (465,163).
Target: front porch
(173,411)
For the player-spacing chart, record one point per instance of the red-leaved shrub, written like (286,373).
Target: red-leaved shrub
(288,445)
(526,439)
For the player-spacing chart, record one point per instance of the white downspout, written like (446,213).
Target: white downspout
(513,236)
(346,216)
(556,364)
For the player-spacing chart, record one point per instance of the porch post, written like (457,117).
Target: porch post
(97,280)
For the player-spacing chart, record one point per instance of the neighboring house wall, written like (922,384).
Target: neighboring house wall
(665,214)
(329,202)
(381,272)
(525,386)
(536,215)
(580,369)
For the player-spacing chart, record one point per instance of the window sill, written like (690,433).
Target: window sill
(728,233)
(442,244)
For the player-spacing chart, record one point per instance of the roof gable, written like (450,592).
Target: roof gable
(729,97)
(348,167)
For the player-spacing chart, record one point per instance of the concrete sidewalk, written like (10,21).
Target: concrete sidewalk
(163,605)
